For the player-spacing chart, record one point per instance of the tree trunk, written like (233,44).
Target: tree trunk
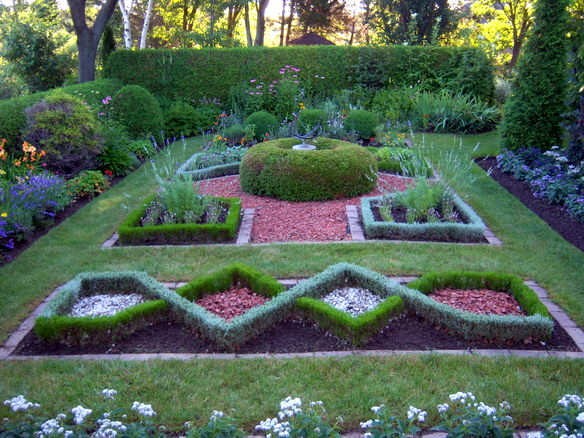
(247,26)
(127,25)
(261,6)
(282,23)
(290,19)
(88,38)
(146,25)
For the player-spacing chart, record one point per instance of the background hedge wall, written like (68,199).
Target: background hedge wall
(197,73)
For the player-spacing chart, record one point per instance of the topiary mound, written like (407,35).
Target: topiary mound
(138,110)
(336,169)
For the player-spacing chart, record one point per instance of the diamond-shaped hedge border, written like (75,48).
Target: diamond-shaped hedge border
(54,324)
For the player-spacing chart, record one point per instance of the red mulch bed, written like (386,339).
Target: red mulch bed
(282,221)
(482,301)
(231,303)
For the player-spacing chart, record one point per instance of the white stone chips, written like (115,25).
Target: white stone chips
(353,300)
(104,305)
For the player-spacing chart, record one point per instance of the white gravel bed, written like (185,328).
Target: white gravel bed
(104,305)
(353,300)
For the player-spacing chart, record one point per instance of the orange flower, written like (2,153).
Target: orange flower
(17,163)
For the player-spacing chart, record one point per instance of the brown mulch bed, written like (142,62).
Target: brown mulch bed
(231,303)
(281,221)
(407,332)
(556,217)
(481,301)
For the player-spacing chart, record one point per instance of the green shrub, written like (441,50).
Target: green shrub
(396,104)
(55,325)
(88,183)
(116,156)
(337,169)
(262,122)
(135,108)
(239,134)
(309,118)
(533,112)
(132,233)
(403,161)
(12,111)
(362,122)
(65,128)
(142,149)
(205,118)
(198,73)
(179,119)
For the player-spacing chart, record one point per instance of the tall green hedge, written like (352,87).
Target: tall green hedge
(198,73)
(533,112)
(13,117)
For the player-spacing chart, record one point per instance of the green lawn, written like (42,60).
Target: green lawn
(531,250)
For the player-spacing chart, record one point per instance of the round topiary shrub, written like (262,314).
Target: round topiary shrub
(138,110)
(263,123)
(336,169)
(67,131)
(309,118)
(362,122)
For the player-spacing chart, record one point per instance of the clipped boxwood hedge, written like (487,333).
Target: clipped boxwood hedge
(13,117)
(537,325)
(473,231)
(208,172)
(337,169)
(229,334)
(198,73)
(132,233)
(355,329)
(55,325)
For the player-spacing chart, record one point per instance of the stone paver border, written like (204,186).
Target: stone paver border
(575,332)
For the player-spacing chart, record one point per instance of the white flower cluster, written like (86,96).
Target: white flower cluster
(415,414)
(289,407)
(19,403)
(563,431)
(366,424)
(215,415)
(109,428)
(377,409)
(272,425)
(109,393)
(486,410)
(142,409)
(53,427)
(80,414)
(443,408)
(462,397)
(569,400)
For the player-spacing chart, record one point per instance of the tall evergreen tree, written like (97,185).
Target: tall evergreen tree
(533,111)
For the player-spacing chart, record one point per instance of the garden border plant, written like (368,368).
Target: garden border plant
(208,172)
(337,169)
(355,329)
(229,334)
(131,233)
(437,231)
(55,325)
(537,325)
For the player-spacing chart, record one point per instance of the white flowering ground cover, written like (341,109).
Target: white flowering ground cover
(104,305)
(353,300)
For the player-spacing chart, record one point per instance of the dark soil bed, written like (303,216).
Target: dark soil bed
(556,217)
(407,332)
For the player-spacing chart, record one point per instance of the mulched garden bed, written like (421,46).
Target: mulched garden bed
(282,221)
(481,301)
(556,217)
(407,332)
(231,303)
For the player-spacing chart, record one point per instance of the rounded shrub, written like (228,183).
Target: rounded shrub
(336,169)
(309,118)
(67,131)
(362,122)
(263,123)
(179,120)
(137,110)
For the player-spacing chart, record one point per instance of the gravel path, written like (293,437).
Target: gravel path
(353,300)
(283,221)
(104,305)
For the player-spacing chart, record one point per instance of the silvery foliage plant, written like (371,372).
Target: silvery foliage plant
(292,421)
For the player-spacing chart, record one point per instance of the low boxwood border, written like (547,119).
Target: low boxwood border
(208,172)
(131,233)
(355,329)
(394,166)
(538,324)
(55,325)
(441,231)
(230,334)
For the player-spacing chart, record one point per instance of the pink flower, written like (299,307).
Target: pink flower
(294,76)
(101,114)
(282,72)
(287,66)
(296,82)
(252,80)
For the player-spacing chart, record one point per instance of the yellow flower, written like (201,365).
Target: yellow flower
(2,172)
(4,214)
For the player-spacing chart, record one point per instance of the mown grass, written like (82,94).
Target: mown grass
(531,250)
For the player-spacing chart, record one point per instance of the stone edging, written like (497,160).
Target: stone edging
(575,332)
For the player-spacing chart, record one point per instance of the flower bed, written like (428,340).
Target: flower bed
(356,329)
(131,231)
(537,325)
(55,323)
(203,165)
(472,231)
